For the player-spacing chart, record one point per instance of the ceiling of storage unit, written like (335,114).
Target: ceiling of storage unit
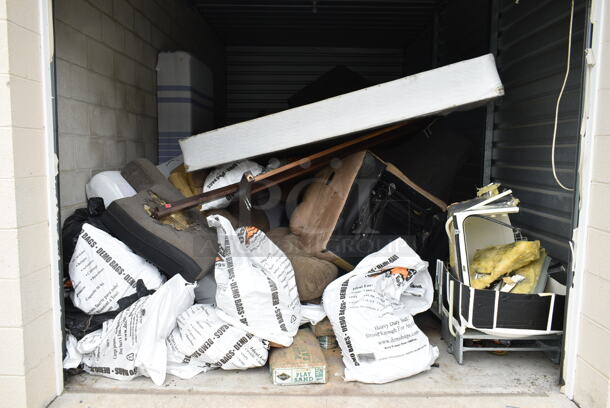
(370,23)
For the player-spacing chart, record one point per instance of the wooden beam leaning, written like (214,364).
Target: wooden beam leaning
(298,168)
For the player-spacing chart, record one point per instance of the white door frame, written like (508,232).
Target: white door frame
(47,52)
(580,234)
(588,130)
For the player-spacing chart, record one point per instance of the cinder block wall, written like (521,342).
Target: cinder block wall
(592,377)
(106,81)
(28,357)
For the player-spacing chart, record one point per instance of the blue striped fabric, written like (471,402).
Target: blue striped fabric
(192,100)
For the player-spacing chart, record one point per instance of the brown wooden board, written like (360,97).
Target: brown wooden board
(301,167)
(356,208)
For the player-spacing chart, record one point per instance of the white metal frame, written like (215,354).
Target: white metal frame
(460,236)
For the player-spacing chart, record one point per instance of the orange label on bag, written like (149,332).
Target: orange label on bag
(404,272)
(250,231)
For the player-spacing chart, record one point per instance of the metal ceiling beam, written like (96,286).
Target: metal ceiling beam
(327,28)
(378,3)
(230,20)
(376,23)
(320,16)
(333,14)
(240,8)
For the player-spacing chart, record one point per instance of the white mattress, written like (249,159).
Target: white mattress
(440,90)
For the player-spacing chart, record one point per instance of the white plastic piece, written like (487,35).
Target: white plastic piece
(440,90)
(371,311)
(133,343)
(312,314)
(514,280)
(589,57)
(256,289)
(104,270)
(110,186)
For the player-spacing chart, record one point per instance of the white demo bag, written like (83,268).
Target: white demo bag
(104,270)
(256,290)
(201,342)
(133,343)
(227,174)
(371,311)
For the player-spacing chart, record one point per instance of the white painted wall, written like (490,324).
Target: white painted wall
(106,80)
(29,324)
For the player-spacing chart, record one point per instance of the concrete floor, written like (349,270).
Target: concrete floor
(517,379)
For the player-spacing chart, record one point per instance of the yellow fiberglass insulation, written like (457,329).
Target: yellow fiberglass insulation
(497,261)
(531,273)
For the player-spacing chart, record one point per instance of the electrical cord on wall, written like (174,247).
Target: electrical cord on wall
(565,81)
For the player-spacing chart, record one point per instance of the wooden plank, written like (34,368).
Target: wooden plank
(299,167)
(441,90)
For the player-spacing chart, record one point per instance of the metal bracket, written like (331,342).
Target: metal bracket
(243,195)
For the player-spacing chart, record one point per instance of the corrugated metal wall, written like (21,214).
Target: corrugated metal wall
(419,54)
(324,23)
(261,79)
(530,39)
(462,33)
(531,55)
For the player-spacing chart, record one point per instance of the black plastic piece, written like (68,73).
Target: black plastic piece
(79,323)
(379,208)
(74,224)
(166,257)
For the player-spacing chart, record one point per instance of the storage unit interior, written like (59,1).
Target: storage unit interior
(262,52)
